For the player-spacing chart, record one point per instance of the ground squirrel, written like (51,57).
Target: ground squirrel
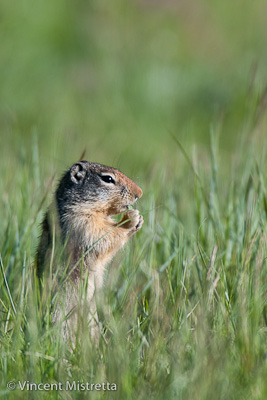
(79,236)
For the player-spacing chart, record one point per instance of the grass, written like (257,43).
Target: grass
(184,311)
(138,87)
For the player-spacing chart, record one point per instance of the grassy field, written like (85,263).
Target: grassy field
(173,95)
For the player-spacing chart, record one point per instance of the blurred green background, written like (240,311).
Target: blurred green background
(115,78)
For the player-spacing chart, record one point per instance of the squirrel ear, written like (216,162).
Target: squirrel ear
(77,173)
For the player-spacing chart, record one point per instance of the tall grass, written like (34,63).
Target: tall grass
(183,310)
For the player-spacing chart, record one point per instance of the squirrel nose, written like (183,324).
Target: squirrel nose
(138,193)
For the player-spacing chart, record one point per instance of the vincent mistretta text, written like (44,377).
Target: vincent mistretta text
(69,385)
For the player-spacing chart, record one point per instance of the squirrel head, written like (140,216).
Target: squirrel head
(89,186)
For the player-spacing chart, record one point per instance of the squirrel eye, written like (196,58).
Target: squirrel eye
(107,179)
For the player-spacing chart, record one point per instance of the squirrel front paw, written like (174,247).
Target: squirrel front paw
(135,221)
